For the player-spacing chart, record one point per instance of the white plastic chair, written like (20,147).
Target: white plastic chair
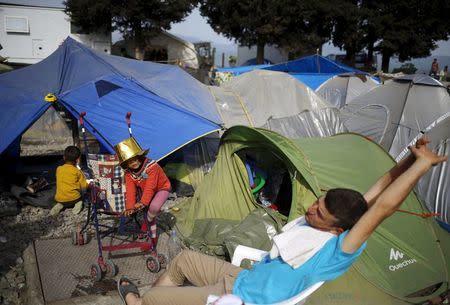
(256,255)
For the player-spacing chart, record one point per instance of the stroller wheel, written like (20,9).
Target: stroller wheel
(153,264)
(111,269)
(163,260)
(96,272)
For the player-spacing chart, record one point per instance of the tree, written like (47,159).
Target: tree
(310,27)
(409,29)
(261,22)
(407,68)
(135,19)
(232,61)
(350,20)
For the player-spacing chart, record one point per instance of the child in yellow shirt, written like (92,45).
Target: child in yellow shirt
(70,182)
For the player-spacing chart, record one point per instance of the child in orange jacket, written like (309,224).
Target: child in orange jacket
(145,181)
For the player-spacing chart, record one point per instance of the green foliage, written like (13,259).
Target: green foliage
(406,28)
(133,18)
(350,27)
(407,68)
(410,28)
(232,60)
(291,24)
(311,26)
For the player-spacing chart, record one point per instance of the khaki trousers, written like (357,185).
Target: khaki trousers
(208,274)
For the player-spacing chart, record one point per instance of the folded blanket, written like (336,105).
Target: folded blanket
(298,242)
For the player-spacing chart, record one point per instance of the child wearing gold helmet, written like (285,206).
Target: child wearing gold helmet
(145,181)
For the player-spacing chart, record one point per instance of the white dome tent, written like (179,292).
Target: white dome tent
(277,101)
(393,114)
(343,88)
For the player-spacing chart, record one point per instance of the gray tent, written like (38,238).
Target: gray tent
(393,114)
(434,187)
(277,101)
(343,88)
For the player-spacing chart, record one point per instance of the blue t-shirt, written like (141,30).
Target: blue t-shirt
(271,281)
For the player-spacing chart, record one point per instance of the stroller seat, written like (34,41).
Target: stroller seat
(110,178)
(107,196)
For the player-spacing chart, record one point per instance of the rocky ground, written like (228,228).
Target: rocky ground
(18,231)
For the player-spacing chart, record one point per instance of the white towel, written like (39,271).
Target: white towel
(298,242)
(227,299)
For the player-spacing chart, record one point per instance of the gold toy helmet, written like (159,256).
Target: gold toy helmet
(128,149)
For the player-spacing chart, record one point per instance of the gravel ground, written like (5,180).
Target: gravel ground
(17,232)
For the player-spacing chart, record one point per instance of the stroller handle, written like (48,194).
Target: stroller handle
(82,114)
(128,118)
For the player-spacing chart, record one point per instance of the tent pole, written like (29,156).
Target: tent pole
(318,62)
(74,128)
(403,109)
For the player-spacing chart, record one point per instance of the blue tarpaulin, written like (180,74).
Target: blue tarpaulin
(311,70)
(313,80)
(170,108)
(241,70)
(312,64)
(252,62)
(156,123)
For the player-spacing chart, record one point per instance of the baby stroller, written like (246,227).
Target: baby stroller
(106,196)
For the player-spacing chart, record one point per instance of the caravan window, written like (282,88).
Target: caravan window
(16,24)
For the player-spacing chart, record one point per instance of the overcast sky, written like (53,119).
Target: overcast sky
(195,28)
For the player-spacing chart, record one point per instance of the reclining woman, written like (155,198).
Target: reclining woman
(348,216)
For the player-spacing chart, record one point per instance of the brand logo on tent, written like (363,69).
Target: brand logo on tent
(398,255)
(395,254)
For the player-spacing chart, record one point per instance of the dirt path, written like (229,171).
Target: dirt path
(17,232)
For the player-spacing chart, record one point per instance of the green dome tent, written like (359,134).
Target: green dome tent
(407,259)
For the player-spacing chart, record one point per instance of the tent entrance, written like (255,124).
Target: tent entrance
(48,135)
(276,187)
